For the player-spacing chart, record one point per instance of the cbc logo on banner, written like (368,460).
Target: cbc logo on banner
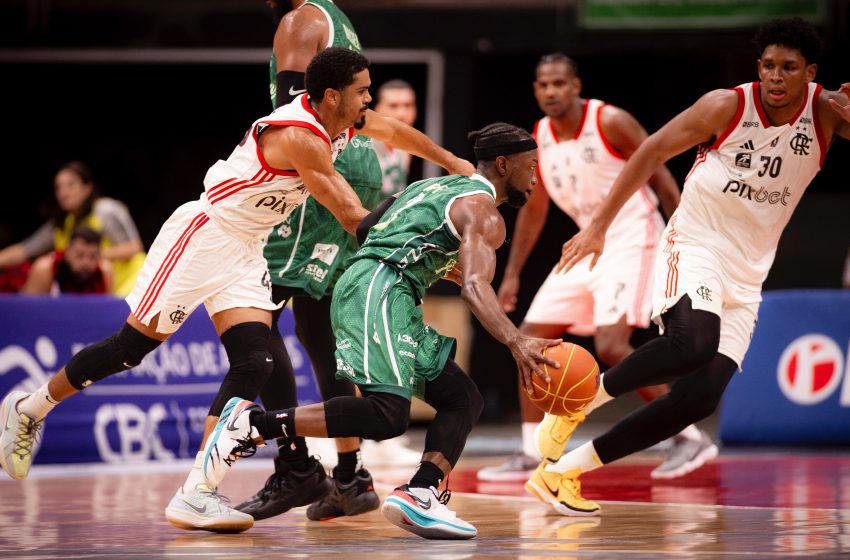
(811,369)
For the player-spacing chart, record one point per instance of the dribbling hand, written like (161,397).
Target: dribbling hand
(528,353)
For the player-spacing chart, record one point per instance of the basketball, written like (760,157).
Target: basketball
(572,386)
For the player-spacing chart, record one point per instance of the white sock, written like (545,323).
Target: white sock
(691,432)
(196,475)
(582,458)
(601,397)
(38,404)
(528,446)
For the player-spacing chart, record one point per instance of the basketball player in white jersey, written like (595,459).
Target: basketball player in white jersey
(761,144)
(396,99)
(210,251)
(583,144)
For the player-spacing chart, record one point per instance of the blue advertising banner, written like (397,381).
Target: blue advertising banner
(154,411)
(795,383)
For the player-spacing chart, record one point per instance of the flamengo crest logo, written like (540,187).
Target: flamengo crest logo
(811,369)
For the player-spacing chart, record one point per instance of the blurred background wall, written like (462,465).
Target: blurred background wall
(152,92)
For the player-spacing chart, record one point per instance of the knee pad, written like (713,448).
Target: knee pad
(376,416)
(454,391)
(119,352)
(249,351)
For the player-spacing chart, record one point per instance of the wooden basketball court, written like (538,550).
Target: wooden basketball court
(765,505)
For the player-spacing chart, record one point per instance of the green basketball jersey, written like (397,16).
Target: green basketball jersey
(416,236)
(307,250)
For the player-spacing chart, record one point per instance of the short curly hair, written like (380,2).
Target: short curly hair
(333,68)
(793,33)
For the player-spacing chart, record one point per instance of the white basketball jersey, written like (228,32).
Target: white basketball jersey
(244,194)
(744,187)
(578,173)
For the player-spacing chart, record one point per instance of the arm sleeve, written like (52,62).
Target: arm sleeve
(118,226)
(289,86)
(40,242)
(373,218)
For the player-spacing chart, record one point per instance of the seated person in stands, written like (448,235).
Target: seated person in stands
(77,269)
(78,203)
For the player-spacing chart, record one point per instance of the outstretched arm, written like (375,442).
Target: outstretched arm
(482,231)
(309,155)
(408,139)
(701,122)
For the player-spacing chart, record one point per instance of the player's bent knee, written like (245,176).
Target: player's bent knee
(124,350)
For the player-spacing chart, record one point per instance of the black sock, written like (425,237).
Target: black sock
(292,452)
(347,465)
(274,424)
(428,474)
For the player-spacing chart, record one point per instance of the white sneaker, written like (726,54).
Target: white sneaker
(390,452)
(684,456)
(422,512)
(517,468)
(232,439)
(20,436)
(205,509)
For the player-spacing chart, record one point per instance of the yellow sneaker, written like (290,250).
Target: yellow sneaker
(561,491)
(552,434)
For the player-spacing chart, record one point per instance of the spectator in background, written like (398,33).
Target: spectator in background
(77,269)
(396,99)
(79,203)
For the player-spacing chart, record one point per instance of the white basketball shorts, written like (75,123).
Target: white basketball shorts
(686,268)
(194,261)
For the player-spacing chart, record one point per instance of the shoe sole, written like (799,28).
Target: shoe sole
(4,413)
(560,507)
(185,520)
(701,459)
(410,520)
(505,476)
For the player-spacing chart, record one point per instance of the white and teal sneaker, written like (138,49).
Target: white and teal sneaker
(422,512)
(205,509)
(19,437)
(232,439)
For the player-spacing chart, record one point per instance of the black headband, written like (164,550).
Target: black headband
(504,149)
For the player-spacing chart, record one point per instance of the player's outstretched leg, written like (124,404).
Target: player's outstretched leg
(232,439)
(19,436)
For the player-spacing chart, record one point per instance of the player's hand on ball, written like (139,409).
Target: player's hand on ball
(586,242)
(528,353)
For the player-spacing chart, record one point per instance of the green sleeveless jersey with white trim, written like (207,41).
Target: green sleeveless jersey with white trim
(416,235)
(308,250)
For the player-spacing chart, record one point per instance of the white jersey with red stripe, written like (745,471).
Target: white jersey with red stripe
(247,197)
(578,174)
(744,187)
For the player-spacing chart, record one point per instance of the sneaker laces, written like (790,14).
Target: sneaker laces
(273,483)
(28,433)
(245,447)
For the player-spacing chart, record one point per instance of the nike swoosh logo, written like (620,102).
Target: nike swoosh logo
(423,504)
(554,491)
(196,508)
(294,92)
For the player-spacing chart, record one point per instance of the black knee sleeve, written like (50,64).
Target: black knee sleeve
(251,363)
(314,332)
(119,352)
(376,416)
(459,405)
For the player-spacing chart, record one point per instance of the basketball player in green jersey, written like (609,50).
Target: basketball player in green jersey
(305,255)
(437,227)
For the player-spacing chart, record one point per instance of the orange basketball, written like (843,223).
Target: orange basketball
(572,386)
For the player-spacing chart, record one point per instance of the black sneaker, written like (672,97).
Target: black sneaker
(284,491)
(349,498)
